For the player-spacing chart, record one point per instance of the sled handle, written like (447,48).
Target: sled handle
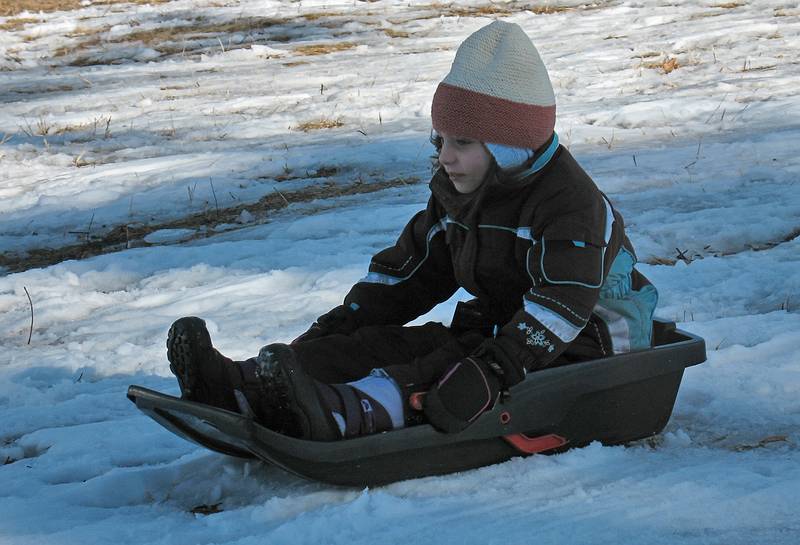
(534,445)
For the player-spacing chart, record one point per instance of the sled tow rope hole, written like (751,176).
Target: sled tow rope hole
(505,417)
(533,445)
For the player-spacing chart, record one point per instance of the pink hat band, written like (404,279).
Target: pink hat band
(461,112)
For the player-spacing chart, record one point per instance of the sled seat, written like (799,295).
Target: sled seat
(613,400)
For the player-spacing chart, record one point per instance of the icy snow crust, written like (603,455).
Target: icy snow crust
(702,161)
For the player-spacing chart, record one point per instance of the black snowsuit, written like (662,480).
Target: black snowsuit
(536,253)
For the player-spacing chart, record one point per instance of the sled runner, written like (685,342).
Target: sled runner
(614,400)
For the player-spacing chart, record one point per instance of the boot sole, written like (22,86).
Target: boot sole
(183,335)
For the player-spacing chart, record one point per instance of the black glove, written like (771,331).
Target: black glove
(470,387)
(465,391)
(341,319)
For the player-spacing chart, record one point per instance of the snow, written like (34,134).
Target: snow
(99,131)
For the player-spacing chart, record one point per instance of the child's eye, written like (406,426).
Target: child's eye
(463,142)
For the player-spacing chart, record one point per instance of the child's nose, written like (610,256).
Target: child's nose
(446,155)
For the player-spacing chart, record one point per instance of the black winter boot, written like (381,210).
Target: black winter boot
(206,376)
(318,411)
(299,410)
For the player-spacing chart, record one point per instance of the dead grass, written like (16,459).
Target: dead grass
(156,36)
(476,11)
(85,32)
(396,33)
(168,40)
(323,49)
(124,236)
(666,66)
(13,7)
(84,45)
(51,89)
(547,10)
(324,171)
(318,124)
(728,5)
(320,15)
(9,8)
(16,24)
(500,10)
(98,126)
(454,10)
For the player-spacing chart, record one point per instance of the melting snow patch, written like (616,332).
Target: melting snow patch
(170,236)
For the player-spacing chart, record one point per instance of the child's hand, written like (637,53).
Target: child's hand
(466,390)
(470,387)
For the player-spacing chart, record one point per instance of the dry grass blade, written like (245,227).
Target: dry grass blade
(30,302)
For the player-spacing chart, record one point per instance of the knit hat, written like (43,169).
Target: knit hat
(497,91)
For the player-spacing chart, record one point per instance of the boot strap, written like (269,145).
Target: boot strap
(353,411)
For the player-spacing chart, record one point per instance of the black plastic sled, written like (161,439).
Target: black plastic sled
(614,400)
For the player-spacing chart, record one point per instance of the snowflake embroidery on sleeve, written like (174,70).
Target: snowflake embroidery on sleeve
(535,338)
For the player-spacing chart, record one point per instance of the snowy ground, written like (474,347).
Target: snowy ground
(121,114)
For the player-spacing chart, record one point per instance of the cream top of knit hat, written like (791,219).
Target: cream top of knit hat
(501,61)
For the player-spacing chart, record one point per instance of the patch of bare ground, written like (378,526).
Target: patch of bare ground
(666,66)
(83,45)
(392,33)
(317,124)
(16,24)
(128,236)
(315,16)
(9,8)
(323,49)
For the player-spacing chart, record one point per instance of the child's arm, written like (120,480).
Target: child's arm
(408,279)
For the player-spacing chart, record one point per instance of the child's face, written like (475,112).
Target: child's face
(466,162)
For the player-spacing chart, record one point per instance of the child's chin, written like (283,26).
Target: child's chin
(465,187)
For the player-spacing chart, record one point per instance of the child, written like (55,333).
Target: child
(513,219)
